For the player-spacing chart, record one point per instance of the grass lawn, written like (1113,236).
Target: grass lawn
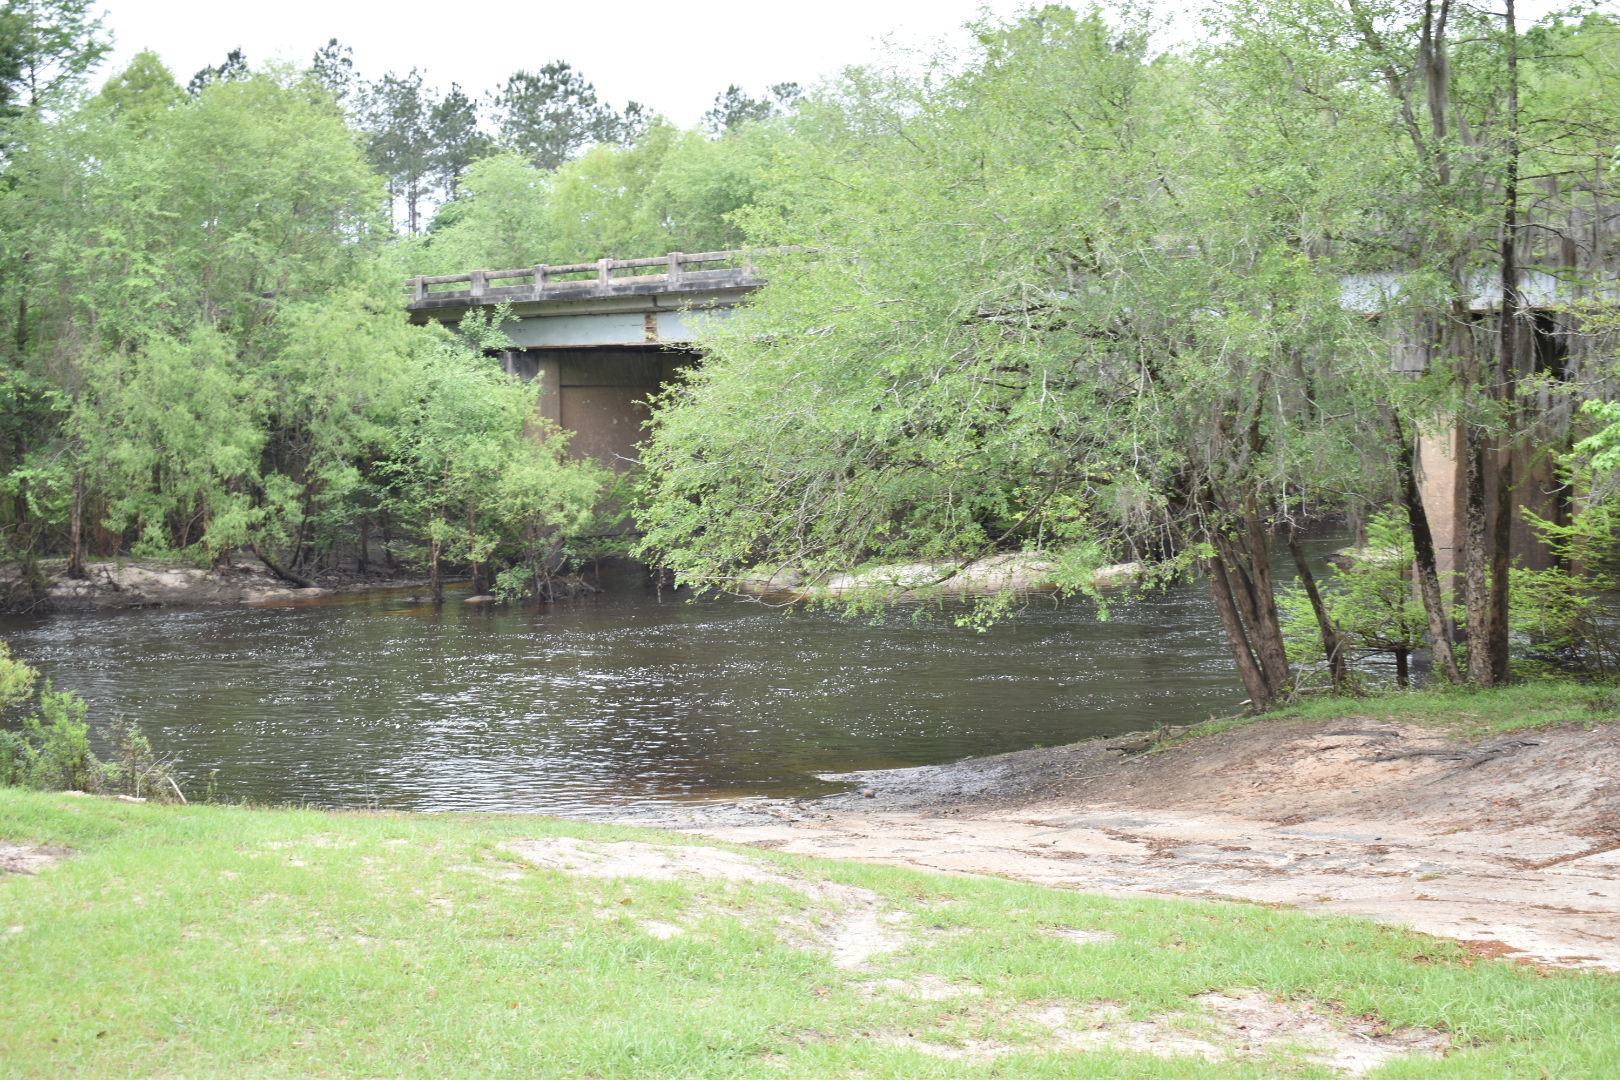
(1465,711)
(214,941)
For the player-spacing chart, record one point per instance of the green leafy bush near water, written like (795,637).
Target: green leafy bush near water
(1560,622)
(49,749)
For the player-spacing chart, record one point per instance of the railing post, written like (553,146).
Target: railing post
(603,276)
(748,262)
(478,285)
(418,289)
(540,273)
(674,271)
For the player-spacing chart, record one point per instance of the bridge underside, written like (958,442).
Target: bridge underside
(600,394)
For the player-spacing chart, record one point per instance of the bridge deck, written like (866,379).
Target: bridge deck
(677,273)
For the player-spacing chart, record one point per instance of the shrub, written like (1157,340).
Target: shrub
(49,749)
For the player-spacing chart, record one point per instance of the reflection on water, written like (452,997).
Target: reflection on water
(617,701)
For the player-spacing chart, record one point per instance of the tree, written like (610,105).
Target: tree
(487,483)
(457,139)
(1428,114)
(142,91)
(46,47)
(399,120)
(216,359)
(1041,316)
(671,191)
(550,114)
(1370,604)
(175,252)
(333,68)
(733,107)
(234,66)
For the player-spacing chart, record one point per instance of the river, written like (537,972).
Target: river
(623,700)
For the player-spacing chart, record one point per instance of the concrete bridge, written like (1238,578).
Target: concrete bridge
(601,336)
(604,336)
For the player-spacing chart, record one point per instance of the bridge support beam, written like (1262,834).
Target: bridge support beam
(1442,475)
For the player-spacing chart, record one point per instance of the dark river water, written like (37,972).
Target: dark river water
(621,700)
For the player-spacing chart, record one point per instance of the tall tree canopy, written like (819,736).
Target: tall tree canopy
(210,352)
(550,114)
(671,190)
(1073,298)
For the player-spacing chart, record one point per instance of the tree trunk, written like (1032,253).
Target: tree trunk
(1427,568)
(1257,613)
(1331,644)
(1403,676)
(280,572)
(75,566)
(388,541)
(1268,626)
(1476,587)
(1220,587)
(435,579)
(1507,368)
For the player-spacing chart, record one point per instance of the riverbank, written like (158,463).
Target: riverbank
(141,940)
(1490,818)
(119,584)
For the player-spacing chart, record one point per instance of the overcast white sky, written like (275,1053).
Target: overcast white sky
(674,55)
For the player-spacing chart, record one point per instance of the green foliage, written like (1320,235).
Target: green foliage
(45,743)
(671,190)
(49,747)
(398,118)
(142,91)
(733,107)
(468,460)
(1373,604)
(234,66)
(1035,314)
(332,68)
(17,679)
(1564,616)
(46,47)
(211,353)
(548,115)
(1559,621)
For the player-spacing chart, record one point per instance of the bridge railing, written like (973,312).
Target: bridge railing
(673,272)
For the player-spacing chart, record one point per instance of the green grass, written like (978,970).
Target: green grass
(224,942)
(1466,712)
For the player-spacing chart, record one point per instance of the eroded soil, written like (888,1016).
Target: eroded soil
(30,858)
(1509,842)
(854,927)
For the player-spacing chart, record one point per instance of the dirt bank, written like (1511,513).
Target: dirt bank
(135,583)
(1511,842)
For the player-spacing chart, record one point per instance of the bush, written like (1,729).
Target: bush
(49,749)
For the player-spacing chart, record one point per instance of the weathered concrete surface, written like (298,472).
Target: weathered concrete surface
(1511,843)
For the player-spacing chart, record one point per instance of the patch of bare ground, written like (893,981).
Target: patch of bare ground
(1241,1025)
(1510,842)
(850,924)
(30,858)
